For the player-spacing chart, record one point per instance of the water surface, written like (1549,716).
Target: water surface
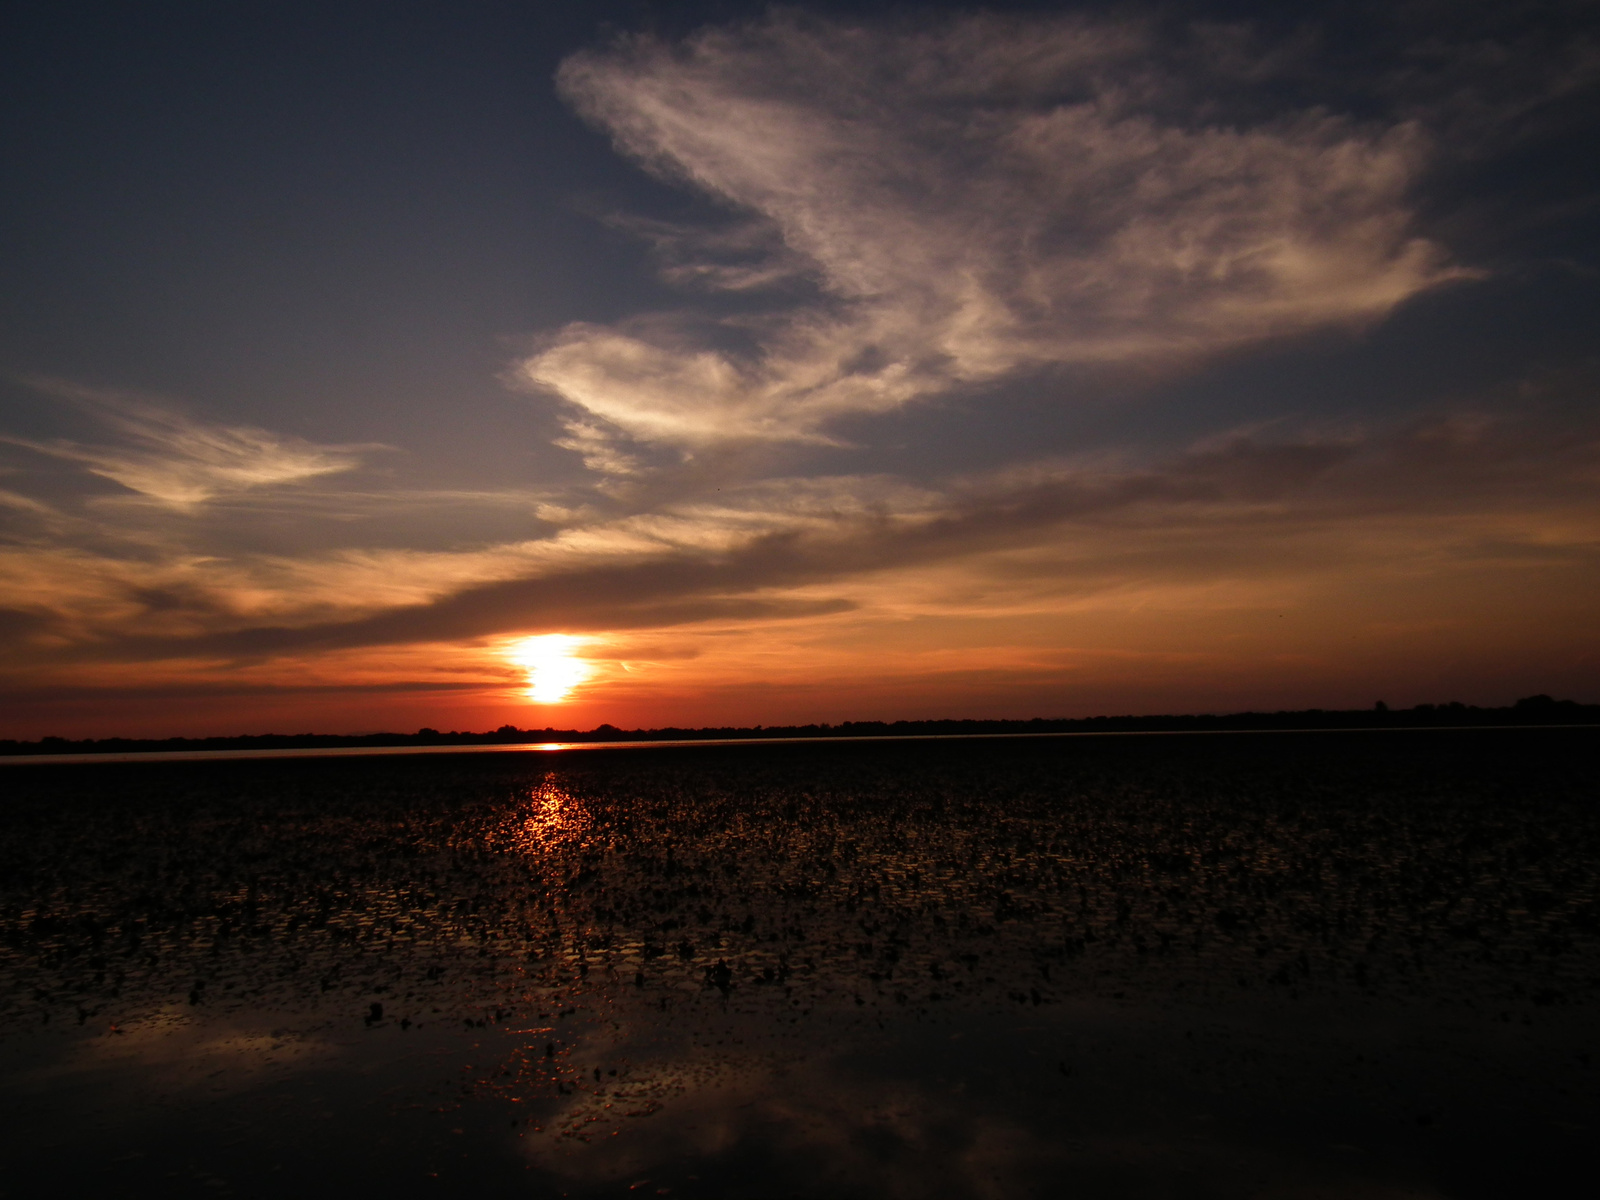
(1340,964)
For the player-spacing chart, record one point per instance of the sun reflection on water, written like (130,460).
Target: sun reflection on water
(550,819)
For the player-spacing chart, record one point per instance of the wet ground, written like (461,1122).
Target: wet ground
(1353,964)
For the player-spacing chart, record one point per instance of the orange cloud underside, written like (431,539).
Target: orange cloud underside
(1338,640)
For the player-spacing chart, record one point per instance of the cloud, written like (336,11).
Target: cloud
(1504,75)
(1008,211)
(181,463)
(988,197)
(1233,514)
(744,257)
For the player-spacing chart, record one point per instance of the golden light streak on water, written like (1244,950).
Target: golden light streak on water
(551,818)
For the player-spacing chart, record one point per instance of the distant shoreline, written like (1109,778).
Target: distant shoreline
(684,743)
(1531,711)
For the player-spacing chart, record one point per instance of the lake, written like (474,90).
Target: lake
(1357,964)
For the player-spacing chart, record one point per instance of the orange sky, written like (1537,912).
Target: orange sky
(1325,611)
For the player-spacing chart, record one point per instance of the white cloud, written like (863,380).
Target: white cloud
(180,462)
(992,196)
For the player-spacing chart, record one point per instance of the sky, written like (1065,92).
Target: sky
(373,366)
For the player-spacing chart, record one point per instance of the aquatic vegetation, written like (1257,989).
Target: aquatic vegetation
(775,947)
(909,874)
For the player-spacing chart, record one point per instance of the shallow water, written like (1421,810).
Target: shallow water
(1339,964)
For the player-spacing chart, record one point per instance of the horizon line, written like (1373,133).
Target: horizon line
(685,743)
(1534,712)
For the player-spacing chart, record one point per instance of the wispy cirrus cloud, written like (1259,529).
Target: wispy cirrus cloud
(1240,509)
(180,462)
(1019,214)
(991,196)
(1016,579)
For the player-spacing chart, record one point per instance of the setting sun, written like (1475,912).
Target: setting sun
(553,668)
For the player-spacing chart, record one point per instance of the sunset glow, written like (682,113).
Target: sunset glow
(925,595)
(552,665)
(1213,393)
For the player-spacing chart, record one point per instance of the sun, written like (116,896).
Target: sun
(552,666)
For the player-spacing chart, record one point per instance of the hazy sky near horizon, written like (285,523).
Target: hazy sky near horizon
(798,363)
